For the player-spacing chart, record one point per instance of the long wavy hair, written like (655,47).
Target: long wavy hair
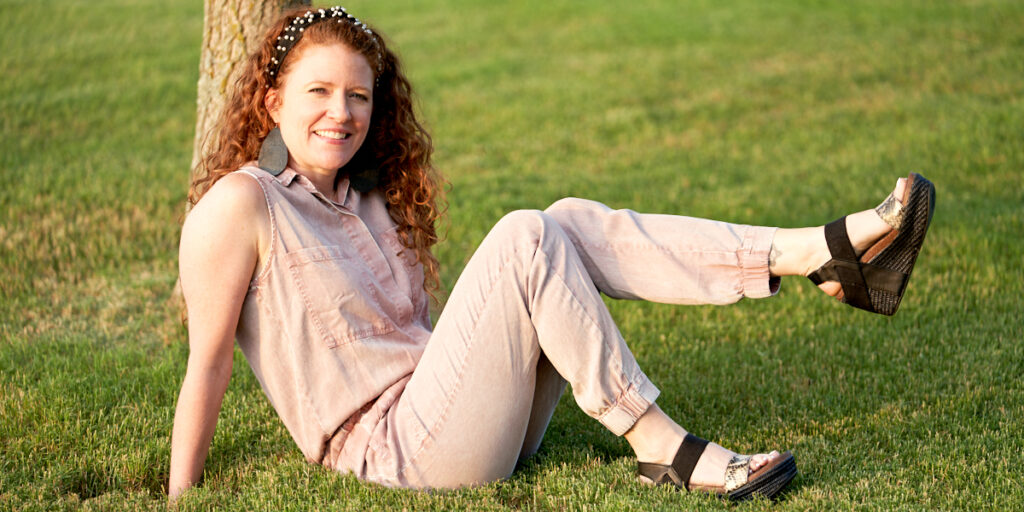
(397,145)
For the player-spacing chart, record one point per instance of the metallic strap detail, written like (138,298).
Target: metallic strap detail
(891,211)
(737,472)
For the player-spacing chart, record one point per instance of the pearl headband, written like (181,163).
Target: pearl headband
(293,32)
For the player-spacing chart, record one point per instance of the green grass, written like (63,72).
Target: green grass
(779,113)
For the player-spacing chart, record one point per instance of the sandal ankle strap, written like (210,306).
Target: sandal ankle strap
(679,472)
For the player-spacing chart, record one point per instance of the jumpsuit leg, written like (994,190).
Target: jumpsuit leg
(549,388)
(527,313)
(670,259)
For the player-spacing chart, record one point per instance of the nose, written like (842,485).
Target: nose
(338,109)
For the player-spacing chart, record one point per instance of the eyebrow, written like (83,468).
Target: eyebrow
(330,83)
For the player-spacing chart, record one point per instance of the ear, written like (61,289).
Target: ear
(272,101)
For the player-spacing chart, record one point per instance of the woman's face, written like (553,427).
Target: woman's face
(323,107)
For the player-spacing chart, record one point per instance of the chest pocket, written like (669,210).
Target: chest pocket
(342,305)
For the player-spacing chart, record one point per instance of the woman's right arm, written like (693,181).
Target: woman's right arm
(220,244)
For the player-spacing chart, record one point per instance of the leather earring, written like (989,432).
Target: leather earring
(273,153)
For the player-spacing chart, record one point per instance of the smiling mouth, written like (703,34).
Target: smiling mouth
(332,134)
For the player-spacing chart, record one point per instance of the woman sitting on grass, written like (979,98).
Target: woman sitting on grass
(310,242)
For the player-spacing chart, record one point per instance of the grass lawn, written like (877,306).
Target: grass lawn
(780,113)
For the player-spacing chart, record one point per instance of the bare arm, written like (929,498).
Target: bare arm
(220,246)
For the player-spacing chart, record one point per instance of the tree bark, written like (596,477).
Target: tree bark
(231,29)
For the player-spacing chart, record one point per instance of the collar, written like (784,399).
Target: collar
(288,176)
(285,177)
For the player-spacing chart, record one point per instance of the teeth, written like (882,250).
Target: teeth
(331,134)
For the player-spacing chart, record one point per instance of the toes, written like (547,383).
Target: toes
(901,185)
(758,461)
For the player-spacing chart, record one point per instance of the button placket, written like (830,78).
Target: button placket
(373,255)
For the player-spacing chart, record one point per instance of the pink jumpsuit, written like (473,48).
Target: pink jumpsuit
(336,328)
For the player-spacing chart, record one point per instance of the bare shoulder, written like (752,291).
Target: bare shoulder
(234,210)
(236,195)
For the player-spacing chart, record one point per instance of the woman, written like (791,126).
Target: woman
(310,242)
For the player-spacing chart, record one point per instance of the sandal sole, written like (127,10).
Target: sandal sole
(898,251)
(770,483)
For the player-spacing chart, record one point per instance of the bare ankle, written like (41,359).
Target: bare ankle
(797,252)
(655,437)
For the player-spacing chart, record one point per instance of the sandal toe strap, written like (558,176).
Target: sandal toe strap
(737,472)
(891,211)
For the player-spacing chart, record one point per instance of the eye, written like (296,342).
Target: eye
(359,96)
(318,90)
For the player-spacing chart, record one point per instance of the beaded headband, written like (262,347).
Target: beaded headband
(293,32)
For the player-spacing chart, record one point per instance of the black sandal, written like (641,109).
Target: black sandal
(876,281)
(740,483)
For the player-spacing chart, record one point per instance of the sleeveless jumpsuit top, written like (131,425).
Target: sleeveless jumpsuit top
(336,319)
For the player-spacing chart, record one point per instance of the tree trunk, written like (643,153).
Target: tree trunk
(231,29)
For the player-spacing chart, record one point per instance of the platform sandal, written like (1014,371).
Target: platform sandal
(740,484)
(876,281)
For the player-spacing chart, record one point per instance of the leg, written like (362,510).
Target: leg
(548,389)
(672,259)
(667,258)
(514,307)
(684,260)
(472,407)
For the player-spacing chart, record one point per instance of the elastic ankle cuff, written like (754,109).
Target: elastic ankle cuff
(630,405)
(753,261)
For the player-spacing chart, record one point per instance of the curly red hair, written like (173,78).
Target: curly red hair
(397,144)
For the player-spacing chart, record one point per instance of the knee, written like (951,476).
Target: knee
(527,228)
(567,204)
(577,216)
(573,207)
(521,224)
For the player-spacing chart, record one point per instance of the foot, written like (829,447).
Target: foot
(864,228)
(709,473)
(667,454)
(802,251)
